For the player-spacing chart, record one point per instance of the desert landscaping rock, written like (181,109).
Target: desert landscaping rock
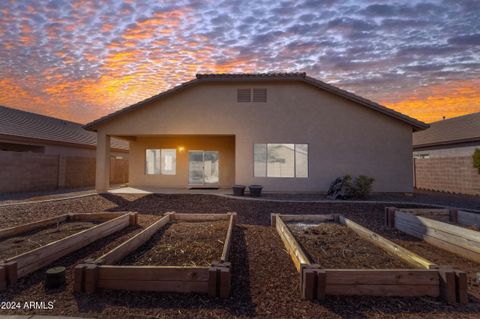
(264,280)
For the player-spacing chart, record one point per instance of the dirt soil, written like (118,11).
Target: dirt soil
(265,283)
(17,245)
(182,244)
(332,245)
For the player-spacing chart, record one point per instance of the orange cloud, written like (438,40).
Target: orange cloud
(450,99)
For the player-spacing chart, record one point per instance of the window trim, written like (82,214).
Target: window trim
(161,162)
(294,161)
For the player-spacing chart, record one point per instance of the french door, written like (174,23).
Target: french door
(203,168)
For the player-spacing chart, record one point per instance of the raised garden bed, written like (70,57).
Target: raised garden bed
(29,247)
(390,271)
(178,253)
(454,231)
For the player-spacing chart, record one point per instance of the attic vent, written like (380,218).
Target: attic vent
(259,95)
(244,95)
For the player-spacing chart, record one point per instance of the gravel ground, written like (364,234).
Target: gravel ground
(195,244)
(332,245)
(265,283)
(13,246)
(419,196)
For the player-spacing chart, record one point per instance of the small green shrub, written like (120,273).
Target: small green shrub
(476,159)
(362,186)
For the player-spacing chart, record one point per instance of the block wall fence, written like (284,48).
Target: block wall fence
(26,172)
(447,174)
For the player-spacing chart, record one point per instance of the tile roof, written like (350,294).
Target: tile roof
(299,76)
(464,128)
(18,123)
(254,76)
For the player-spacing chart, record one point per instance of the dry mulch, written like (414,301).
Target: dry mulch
(196,244)
(264,280)
(332,245)
(17,245)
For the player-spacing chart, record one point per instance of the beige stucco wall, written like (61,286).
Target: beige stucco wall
(343,137)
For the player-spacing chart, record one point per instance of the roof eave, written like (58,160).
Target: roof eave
(93,126)
(445,143)
(416,124)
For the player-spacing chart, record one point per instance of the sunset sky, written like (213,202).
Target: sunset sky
(80,60)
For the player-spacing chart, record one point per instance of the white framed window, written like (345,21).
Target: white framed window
(280,160)
(169,161)
(161,161)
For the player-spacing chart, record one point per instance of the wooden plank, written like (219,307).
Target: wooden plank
(321,284)
(225,282)
(447,228)
(296,253)
(228,240)
(381,277)
(383,290)
(16,230)
(424,210)
(453,215)
(30,261)
(98,217)
(79,278)
(447,237)
(200,217)
(91,278)
(3,277)
(447,285)
(307,218)
(309,284)
(213,280)
(387,245)
(467,218)
(119,252)
(11,269)
(461,251)
(158,286)
(156,273)
(461,286)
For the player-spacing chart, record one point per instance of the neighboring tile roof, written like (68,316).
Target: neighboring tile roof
(416,125)
(464,128)
(18,123)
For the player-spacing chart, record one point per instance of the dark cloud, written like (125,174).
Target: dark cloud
(108,54)
(473,39)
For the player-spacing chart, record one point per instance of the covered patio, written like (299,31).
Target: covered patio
(172,161)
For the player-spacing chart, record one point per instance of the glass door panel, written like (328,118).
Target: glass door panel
(210,167)
(195,168)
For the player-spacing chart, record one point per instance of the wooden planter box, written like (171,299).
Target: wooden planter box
(21,265)
(424,279)
(455,239)
(103,273)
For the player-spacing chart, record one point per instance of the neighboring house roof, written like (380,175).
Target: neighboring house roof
(26,125)
(202,78)
(460,129)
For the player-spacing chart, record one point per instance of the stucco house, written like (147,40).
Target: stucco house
(286,131)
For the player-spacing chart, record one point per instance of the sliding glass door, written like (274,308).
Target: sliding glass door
(203,168)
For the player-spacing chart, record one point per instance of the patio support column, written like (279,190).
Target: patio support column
(102,173)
